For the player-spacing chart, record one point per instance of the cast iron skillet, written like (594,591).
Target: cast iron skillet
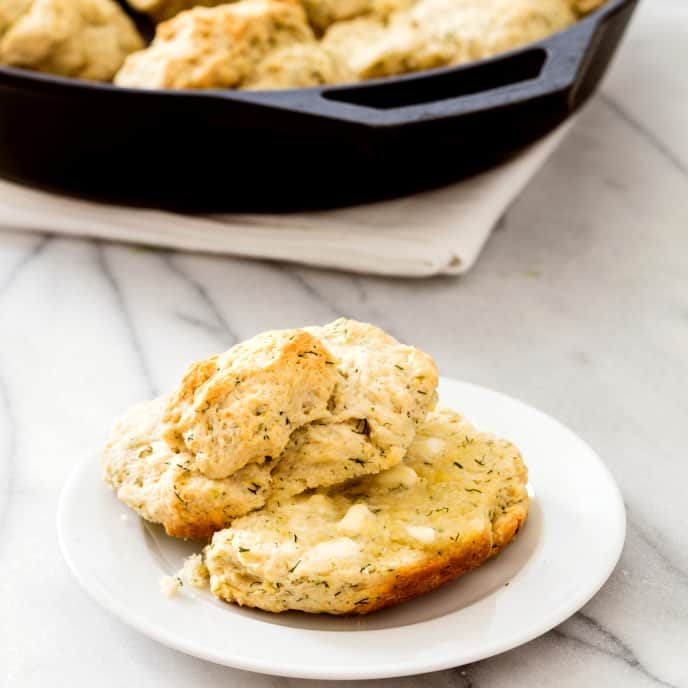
(281,150)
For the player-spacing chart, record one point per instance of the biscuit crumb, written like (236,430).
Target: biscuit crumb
(169,585)
(193,573)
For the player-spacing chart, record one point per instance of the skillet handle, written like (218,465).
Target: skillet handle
(543,70)
(562,70)
(446,93)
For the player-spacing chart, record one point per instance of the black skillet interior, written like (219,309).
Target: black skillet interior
(296,149)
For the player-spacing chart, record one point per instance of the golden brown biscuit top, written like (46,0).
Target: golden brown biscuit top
(88,39)
(217,47)
(241,406)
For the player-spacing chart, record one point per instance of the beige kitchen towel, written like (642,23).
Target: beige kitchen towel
(430,233)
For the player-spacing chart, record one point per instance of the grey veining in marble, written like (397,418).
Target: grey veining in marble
(579,305)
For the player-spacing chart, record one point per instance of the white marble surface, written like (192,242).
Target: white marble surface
(579,305)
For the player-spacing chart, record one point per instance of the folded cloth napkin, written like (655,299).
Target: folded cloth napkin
(435,232)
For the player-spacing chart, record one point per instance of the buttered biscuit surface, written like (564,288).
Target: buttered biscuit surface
(457,500)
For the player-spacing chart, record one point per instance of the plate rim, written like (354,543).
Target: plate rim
(352,671)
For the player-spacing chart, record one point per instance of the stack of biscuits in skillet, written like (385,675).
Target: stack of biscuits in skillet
(268,44)
(317,464)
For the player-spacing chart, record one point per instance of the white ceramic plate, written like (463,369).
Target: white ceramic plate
(567,550)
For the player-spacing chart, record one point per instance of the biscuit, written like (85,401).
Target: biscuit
(160,485)
(457,500)
(435,33)
(215,47)
(87,39)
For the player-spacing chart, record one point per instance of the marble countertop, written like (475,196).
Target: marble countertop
(579,305)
